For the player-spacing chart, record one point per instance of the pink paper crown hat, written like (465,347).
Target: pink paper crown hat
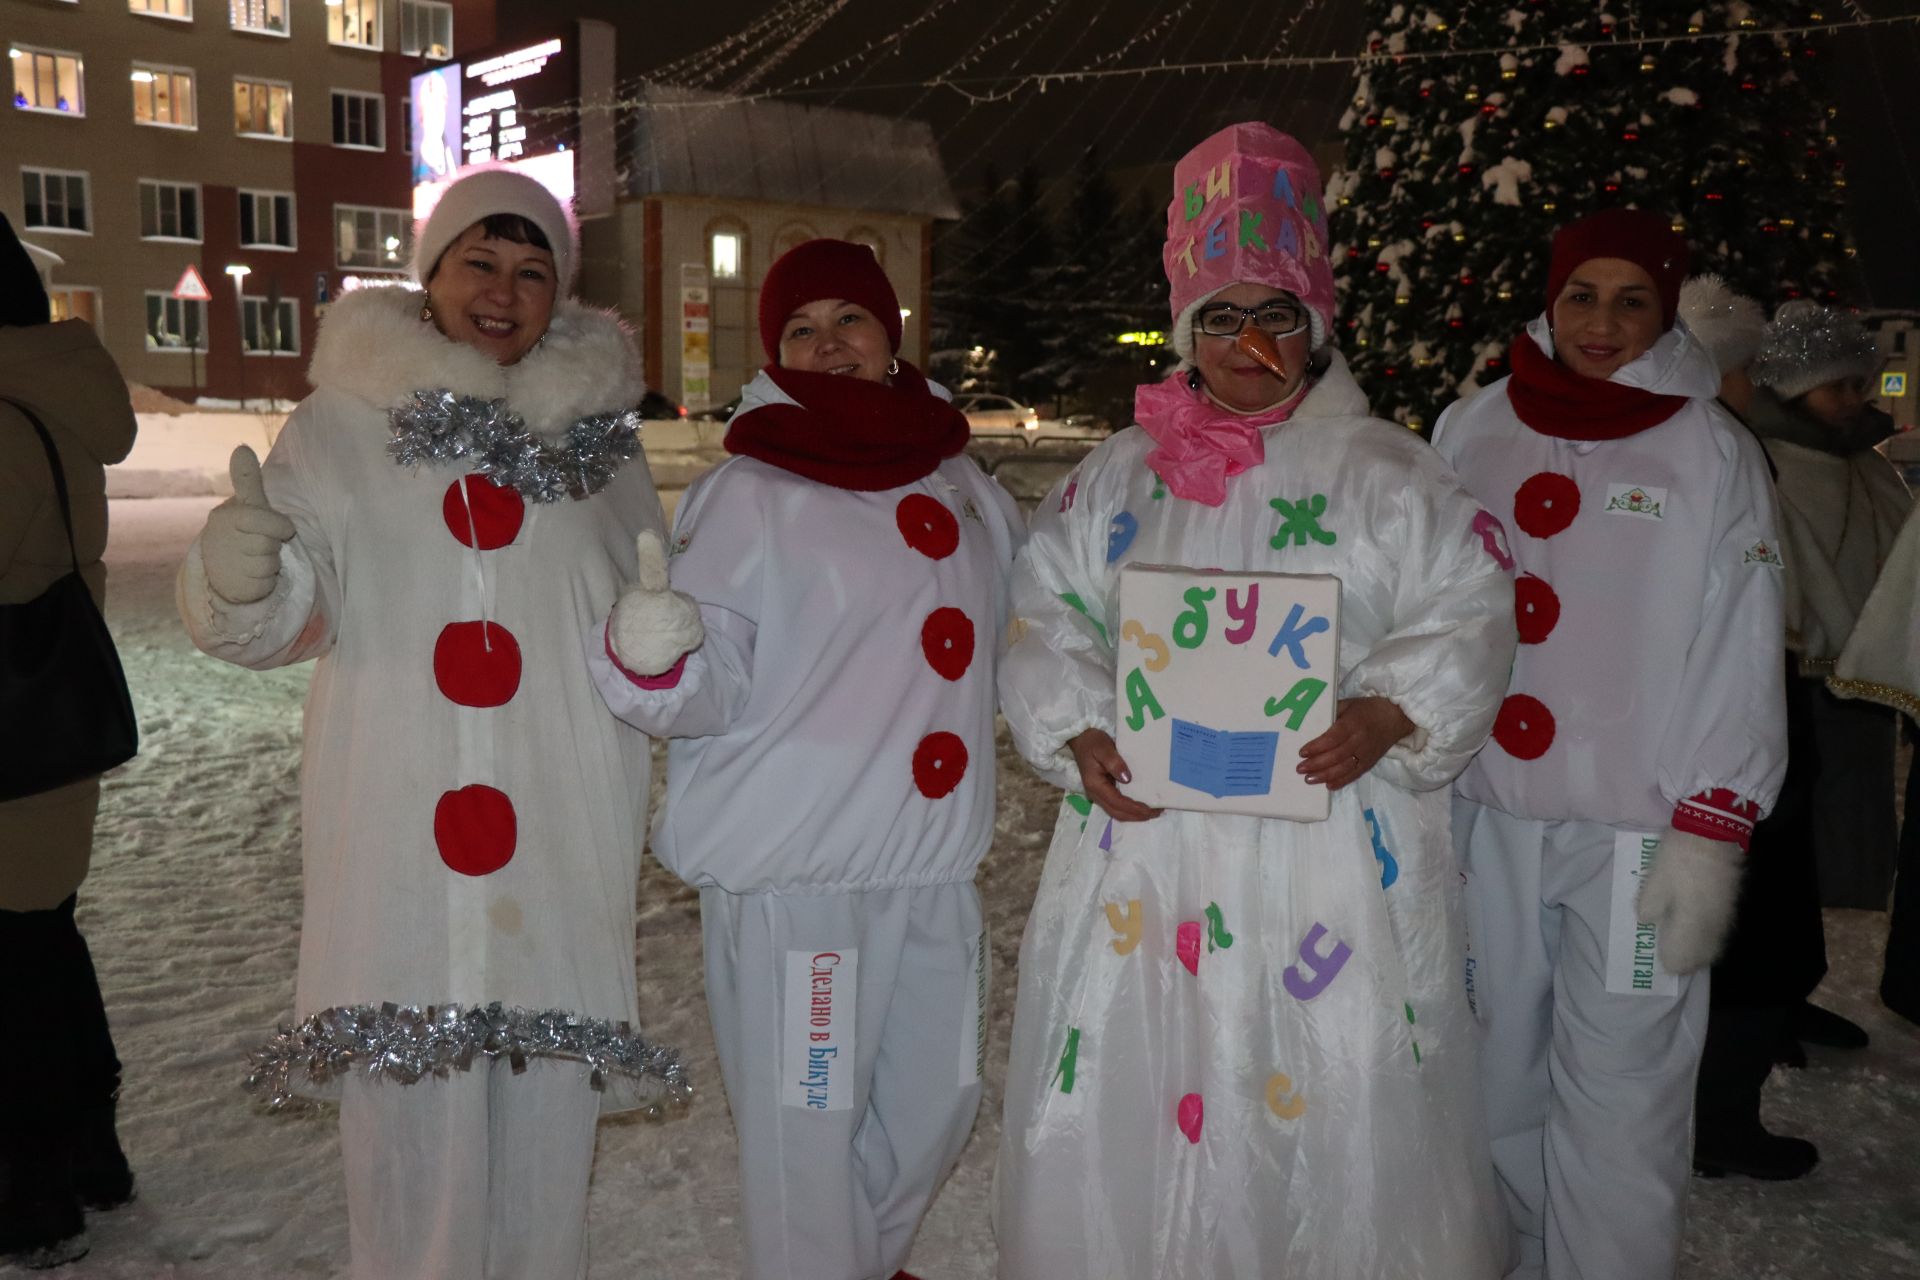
(1247,206)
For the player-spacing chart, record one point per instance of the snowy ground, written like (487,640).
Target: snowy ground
(193,905)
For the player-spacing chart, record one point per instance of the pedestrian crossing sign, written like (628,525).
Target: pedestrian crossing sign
(1893,384)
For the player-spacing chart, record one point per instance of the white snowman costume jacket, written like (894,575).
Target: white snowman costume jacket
(1297,1097)
(472,819)
(830,789)
(1647,694)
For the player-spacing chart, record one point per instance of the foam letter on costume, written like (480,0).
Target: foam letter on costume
(1283,188)
(1299,700)
(1323,968)
(1127,925)
(1069,1058)
(1217,239)
(1192,202)
(1249,233)
(1186,255)
(1292,635)
(1220,182)
(1313,247)
(1287,1108)
(1156,648)
(1217,935)
(1190,628)
(1288,241)
(1142,706)
(1300,521)
(1244,615)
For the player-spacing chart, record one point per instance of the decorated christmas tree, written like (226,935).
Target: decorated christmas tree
(1476,129)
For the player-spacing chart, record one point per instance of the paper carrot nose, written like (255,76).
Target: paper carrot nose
(1256,344)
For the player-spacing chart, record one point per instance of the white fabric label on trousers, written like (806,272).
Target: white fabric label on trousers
(973,1025)
(821,990)
(1633,965)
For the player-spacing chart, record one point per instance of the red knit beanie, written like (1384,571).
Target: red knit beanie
(1647,240)
(825,269)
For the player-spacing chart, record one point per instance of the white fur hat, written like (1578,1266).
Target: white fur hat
(1809,345)
(482,194)
(1731,326)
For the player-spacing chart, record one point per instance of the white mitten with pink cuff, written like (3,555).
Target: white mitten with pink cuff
(652,624)
(1689,897)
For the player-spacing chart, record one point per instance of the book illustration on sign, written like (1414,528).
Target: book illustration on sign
(1220,678)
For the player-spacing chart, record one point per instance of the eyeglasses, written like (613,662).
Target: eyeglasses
(1276,319)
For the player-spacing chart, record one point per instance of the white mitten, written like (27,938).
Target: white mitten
(652,623)
(1689,896)
(241,544)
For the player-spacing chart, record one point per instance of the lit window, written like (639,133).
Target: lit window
(169,211)
(75,302)
(354,22)
(163,96)
(426,28)
(358,120)
(175,324)
(269,327)
(269,17)
(266,220)
(262,108)
(727,253)
(48,80)
(56,200)
(380,239)
(182,9)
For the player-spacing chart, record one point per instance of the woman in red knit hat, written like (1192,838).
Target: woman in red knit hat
(827,680)
(1643,735)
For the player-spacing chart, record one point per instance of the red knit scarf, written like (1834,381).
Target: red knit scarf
(851,433)
(1556,401)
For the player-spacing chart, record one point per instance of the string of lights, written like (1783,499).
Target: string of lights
(800,36)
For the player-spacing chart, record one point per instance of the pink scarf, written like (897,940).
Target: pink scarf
(1199,446)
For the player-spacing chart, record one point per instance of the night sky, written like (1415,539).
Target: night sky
(1141,123)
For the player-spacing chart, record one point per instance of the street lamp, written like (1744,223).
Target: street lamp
(239,274)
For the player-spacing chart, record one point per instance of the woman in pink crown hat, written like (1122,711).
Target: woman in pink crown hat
(1242,1045)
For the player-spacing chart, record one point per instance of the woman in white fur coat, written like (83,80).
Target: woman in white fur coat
(455,502)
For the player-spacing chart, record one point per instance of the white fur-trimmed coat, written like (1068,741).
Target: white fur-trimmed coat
(377,573)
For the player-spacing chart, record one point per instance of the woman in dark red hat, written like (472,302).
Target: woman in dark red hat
(827,678)
(1604,827)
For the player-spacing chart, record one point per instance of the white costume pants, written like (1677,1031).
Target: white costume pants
(481,1176)
(1589,1092)
(850,1028)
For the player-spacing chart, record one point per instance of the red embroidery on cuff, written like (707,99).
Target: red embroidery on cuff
(1717,814)
(665,680)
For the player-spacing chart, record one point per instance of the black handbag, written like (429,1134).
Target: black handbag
(65,713)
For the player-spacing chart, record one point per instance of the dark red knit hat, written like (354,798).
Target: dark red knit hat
(1645,239)
(825,269)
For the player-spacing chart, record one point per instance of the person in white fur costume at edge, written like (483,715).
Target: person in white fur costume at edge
(830,779)
(1644,736)
(458,497)
(1279,1105)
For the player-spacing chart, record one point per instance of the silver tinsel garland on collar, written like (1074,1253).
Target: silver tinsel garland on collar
(439,426)
(408,1043)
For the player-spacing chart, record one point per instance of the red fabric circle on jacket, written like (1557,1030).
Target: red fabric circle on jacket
(492,512)
(928,527)
(475,829)
(939,762)
(476,664)
(1546,503)
(1524,727)
(1536,609)
(947,639)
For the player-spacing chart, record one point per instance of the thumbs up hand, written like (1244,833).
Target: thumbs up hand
(652,623)
(241,543)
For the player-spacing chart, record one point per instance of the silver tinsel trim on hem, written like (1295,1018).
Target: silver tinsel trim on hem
(438,426)
(406,1044)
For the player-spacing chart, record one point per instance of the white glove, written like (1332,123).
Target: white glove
(652,623)
(1689,896)
(241,543)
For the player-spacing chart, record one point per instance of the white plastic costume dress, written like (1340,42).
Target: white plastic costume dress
(1303,1102)
(830,789)
(472,818)
(1646,693)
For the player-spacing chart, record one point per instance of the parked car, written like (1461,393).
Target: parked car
(655,407)
(997,416)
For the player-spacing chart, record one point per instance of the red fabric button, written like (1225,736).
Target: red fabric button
(496,512)
(476,664)
(939,762)
(475,829)
(947,640)
(1524,727)
(928,527)
(1546,504)
(1536,609)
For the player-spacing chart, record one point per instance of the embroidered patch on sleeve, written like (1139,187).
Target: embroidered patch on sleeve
(1636,500)
(1763,552)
